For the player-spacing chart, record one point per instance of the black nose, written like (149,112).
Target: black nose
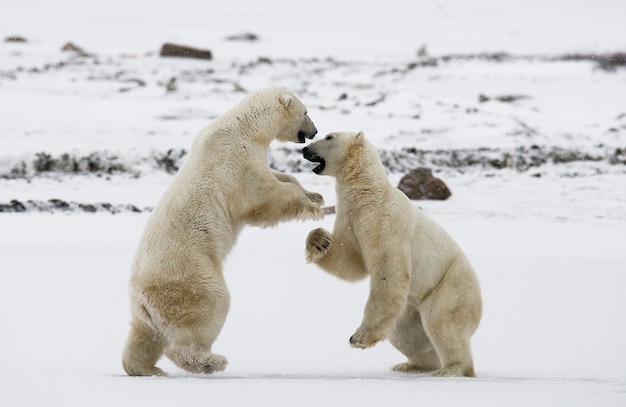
(304,150)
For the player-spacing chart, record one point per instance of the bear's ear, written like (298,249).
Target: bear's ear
(360,138)
(285,100)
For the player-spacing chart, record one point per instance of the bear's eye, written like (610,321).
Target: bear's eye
(329,138)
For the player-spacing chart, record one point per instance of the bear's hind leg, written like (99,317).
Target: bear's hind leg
(451,339)
(409,337)
(190,346)
(190,343)
(196,358)
(458,362)
(143,349)
(454,311)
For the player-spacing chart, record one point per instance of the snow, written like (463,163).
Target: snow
(552,330)
(547,242)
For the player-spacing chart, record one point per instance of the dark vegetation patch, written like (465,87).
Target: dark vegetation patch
(608,62)
(520,159)
(243,37)
(287,159)
(605,61)
(501,98)
(171,160)
(59,205)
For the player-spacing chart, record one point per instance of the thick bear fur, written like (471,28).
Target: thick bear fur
(424,295)
(178,296)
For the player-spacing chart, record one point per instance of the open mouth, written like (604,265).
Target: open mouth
(302,135)
(314,158)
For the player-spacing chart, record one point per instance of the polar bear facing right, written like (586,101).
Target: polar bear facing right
(424,294)
(178,294)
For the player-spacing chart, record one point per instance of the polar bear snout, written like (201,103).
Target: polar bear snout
(303,134)
(307,129)
(312,156)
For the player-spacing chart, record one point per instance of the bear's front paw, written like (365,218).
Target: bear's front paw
(317,244)
(315,197)
(365,338)
(316,212)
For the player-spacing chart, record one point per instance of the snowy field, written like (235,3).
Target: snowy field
(503,102)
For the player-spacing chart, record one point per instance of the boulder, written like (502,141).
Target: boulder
(421,184)
(183,51)
(15,38)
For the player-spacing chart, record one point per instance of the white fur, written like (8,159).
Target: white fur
(424,295)
(179,300)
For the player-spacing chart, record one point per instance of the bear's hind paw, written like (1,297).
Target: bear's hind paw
(408,367)
(456,370)
(195,361)
(216,364)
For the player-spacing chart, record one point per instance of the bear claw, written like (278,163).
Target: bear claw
(365,338)
(315,198)
(324,245)
(317,244)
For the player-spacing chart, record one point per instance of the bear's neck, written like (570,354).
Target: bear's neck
(362,173)
(256,124)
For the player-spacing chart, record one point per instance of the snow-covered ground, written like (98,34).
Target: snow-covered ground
(552,334)
(532,145)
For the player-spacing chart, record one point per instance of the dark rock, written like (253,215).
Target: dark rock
(71,47)
(249,37)
(183,51)
(503,98)
(133,208)
(421,184)
(171,86)
(139,83)
(510,98)
(422,51)
(15,38)
(379,99)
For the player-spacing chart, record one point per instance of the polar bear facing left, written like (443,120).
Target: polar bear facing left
(178,296)
(424,294)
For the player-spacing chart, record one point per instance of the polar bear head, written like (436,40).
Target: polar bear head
(297,125)
(273,114)
(283,112)
(340,152)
